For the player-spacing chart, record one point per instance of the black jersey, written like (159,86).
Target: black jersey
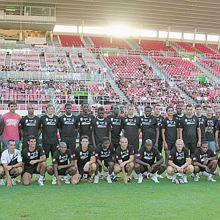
(60,158)
(201,157)
(83,157)
(84,123)
(124,155)
(179,158)
(202,124)
(30,126)
(159,123)
(49,129)
(211,124)
(103,154)
(170,126)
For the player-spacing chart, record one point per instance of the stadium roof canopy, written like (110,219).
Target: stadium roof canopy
(175,15)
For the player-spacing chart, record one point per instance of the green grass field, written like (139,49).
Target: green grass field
(116,201)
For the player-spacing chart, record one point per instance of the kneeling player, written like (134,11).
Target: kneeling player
(63,165)
(145,163)
(34,162)
(125,159)
(105,158)
(11,163)
(179,163)
(85,160)
(205,160)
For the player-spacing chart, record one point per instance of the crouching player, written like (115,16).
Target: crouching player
(34,162)
(63,167)
(85,161)
(125,160)
(11,164)
(149,162)
(205,160)
(179,163)
(104,154)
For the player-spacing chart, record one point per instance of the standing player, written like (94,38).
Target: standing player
(30,125)
(157,114)
(85,160)
(131,125)
(100,127)
(169,131)
(84,122)
(34,162)
(211,124)
(115,122)
(179,113)
(190,131)
(202,121)
(125,159)
(12,163)
(104,154)
(49,124)
(145,163)
(67,128)
(179,163)
(63,165)
(205,160)
(217,134)
(149,127)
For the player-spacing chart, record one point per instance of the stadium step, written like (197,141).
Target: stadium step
(8,59)
(42,60)
(87,41)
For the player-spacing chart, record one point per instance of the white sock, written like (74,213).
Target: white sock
(41,177)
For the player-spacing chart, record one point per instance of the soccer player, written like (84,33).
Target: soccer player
(169,131)
(146,166)
(205,160)
(149,127)
(131,126)
(67,128)
(85,161)
(11,121)
(30,125)
(179,113)
(211,124)
(179,163)
(125,159)
(12,163)
(49,125)
(190,131)
(202,121)
(84,122)
(100,127)
(115,122)
(159,117)
(34,162)
(63,165)
(104,154)
(217,136)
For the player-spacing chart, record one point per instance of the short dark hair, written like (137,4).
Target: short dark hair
(169,107)
(31,137)
(148,106)
(101,109)
(105,139)
(12,103)
(49,105)
(198,106)
(11,140)
(68,105)
(189,106)
(84,137)
(205,143)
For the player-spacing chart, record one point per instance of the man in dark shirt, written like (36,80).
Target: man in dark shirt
(34,162)
(190,131)
(67,128)
(149,127)
(211,124)
(100,127)
(159,117)
(49,126)
(84,123)
(205,160)
(125,159)
(85,160)
(30,125)
(131,126)
(179,162)
(63,165)
(179,112)
(202,121)
(169,131)
(115,122)
(149,162)
(104,154)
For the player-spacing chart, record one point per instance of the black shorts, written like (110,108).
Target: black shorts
(171,145)
(191,147)
(106,162)
(80,169)
(31,170)
(49,148)
(63,172)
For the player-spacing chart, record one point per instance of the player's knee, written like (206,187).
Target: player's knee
(214,162)
(130,166)
(50,170)
(1,171)
(190,169)
(93,167)
(170,170)
(117,168)
(196,169)
(111,164)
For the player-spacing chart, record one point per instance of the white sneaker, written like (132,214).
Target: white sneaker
(13,182)
(154,178)
(54,180)
(184,177)
(210,178)
(205,174)
(40,182)
(175,180)
(2,182)
(140,178)
(169,177)
(160,176)
(66,179)
(196,178)
(96,179)
(134,175)
(108,178)
(181,181)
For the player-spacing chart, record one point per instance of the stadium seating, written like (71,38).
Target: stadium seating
(212,66)
(71,41)
(204,49)
(186,47)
